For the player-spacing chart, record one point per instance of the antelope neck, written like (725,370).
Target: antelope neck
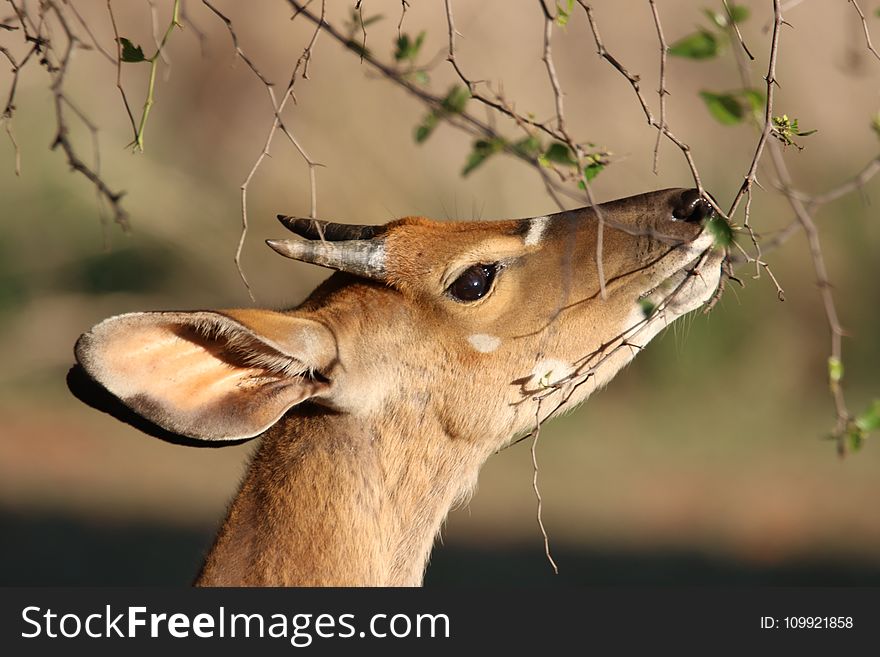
(332,501)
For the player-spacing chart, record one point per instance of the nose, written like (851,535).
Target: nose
(692,208)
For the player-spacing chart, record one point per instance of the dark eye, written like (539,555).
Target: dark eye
(473,283)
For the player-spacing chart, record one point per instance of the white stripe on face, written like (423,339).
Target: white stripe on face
(537,226)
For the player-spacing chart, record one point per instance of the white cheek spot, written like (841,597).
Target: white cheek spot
(537,226)
(550,372)
(483,343)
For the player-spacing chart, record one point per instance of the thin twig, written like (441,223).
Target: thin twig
(492,103)
(9,109)
(95,43)
(7,125)
(809,227)
(634,83)
(733,24)
(547,58)
(119,70)
(58,72)
(536,433)
(238,51)
(856,183)
(868,44)
(154,64)
(662,89)
(746,79)
(463,120)
(768,111)
(404,5)
(277,122)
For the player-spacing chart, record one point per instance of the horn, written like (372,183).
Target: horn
(315,229)
(363,257)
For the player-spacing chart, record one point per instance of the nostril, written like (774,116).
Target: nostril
(692,207)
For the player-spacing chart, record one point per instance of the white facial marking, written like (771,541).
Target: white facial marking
(549,372)
(483,343)
(537,226)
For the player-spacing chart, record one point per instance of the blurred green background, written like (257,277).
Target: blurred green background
(703,463)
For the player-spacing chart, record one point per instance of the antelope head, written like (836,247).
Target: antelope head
(433,345)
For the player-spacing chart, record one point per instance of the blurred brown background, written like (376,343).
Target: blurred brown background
(702,463)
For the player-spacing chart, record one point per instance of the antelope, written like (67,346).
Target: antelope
(379,398)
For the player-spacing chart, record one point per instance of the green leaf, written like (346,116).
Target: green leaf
(648,307)
(726,108)
(870,419)
(372,19)
(482,151)
(593,169)
(699,45)
(721,230)
(453,103)
(755,98)
(528,147)
(558,153)
(785,129)
(403,48)
(130,52)
(720,18)
(456,99)
(835,369)
(426,127)
(856,438)
(408,50)
(739,13)
(563,13)
(419,77)
(596,162)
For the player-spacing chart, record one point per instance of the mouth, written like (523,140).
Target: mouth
(689,279)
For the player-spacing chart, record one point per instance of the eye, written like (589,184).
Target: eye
(473,283)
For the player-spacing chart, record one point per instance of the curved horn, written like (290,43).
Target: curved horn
(364,257)
(315,229)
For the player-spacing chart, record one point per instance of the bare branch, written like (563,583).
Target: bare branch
(463,121)
(198,32)
(868,44)
(494,104)
(634,83)
(807,224)
(62,138)
(768,111)
(95,43)
(856,183)
(119,69)
(662,90)
(278,108)
(7,125)
(536,433)
(404,5)
(735,26)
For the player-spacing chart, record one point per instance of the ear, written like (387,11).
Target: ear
(225,375)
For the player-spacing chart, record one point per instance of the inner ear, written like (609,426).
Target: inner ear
(209,375)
